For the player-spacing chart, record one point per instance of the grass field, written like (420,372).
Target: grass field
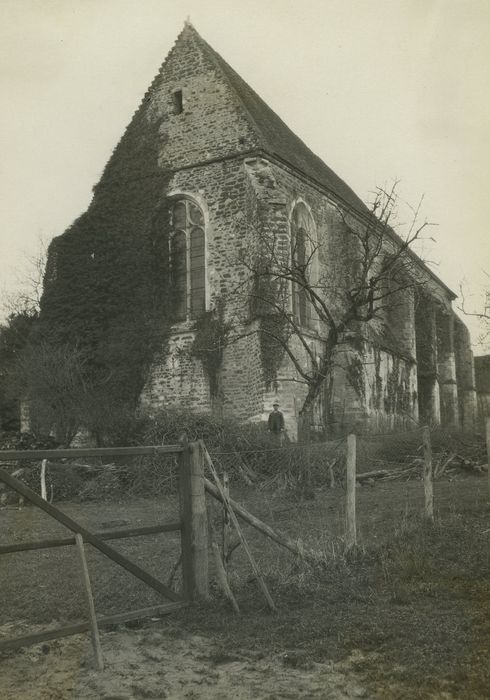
(406,615)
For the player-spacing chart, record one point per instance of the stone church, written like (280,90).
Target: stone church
(230,169)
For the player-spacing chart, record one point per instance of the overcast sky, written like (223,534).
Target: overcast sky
(379,90)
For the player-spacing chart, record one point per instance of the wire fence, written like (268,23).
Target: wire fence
(300,490)
(95,480)
(296,468)
(288,467)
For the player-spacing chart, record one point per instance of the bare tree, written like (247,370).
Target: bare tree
(26,299)
(64,396)
(290,289)
(20,310)
(481,312)
(52,377)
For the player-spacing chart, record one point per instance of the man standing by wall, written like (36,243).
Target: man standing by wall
(276,425)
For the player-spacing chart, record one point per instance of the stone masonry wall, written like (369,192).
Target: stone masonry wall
(210,125)
(221,190)
(465,377)
(377,386)
(482,383)
(177,379)
(446,369)
(207,145)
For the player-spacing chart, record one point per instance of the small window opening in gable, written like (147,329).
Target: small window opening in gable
(178,101)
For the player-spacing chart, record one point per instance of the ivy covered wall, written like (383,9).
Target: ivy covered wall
(108,290)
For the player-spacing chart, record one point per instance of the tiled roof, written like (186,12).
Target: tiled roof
(275,137)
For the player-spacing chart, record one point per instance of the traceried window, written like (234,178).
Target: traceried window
(303,255)
(187,259)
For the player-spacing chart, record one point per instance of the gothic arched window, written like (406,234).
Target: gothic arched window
(187,259)
(303,256)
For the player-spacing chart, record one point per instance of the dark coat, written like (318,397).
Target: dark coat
(276,422)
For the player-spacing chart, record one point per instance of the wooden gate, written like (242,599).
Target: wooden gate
(191,524)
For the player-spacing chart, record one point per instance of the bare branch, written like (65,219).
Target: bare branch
(322,314)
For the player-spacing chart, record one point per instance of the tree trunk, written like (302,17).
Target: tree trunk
(316,386)
(305,421)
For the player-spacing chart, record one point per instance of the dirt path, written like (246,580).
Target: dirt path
(156,663)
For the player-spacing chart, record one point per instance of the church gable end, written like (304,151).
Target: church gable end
(203,174)
(189,115)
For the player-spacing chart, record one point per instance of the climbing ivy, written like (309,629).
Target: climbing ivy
(272,350)
(273,328)
(106,291)
(211,333)
(105,295)
(355,376)
(14,336)
(397,398)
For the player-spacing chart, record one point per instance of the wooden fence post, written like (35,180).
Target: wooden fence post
(194,535)
(428,477)
(350,493)
(487,435)
(44,493)
(90,603)
(226,521)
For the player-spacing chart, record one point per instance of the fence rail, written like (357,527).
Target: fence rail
(419,456)
(70,453)
(190,525)
(105,535)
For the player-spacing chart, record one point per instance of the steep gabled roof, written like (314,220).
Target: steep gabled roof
(274,136)
(137,154)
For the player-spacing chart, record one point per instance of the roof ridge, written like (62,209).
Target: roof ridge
(308,164)
(277,138)
(217,60)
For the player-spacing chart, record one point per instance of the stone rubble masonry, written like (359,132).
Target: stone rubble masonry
(465,377)
(210,126)
(482,383)
(426,351)
(407,367)
(384,382)
(446,367)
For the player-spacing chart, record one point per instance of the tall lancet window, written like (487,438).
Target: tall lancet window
(304,259)
(187,259)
